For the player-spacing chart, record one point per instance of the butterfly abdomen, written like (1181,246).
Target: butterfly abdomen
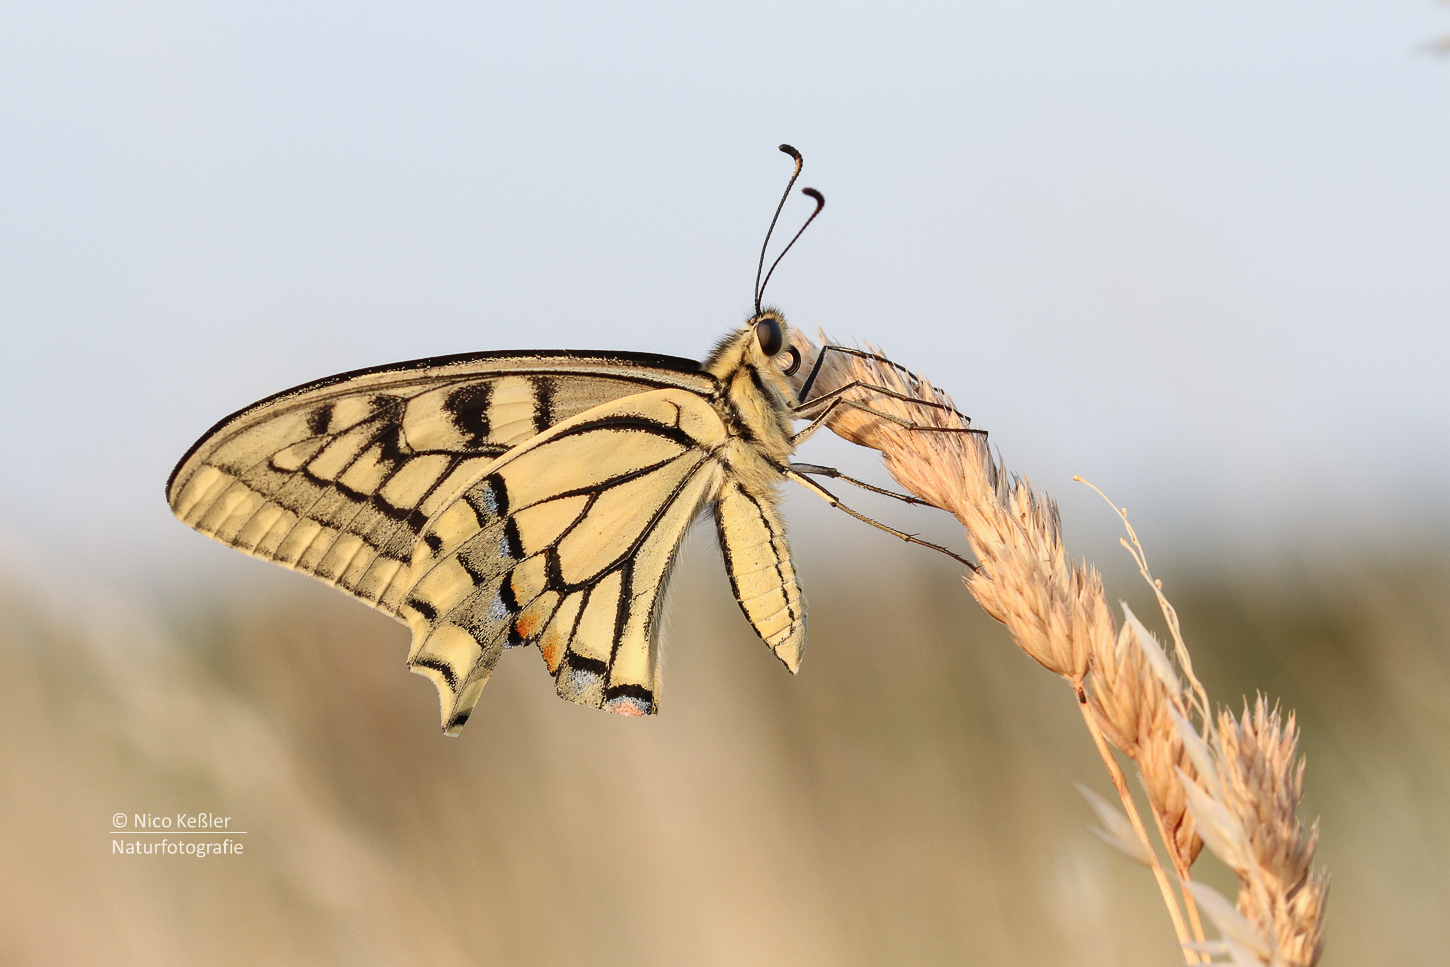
(754,405)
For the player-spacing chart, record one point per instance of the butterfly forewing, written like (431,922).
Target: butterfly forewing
(566,542)
(338,478)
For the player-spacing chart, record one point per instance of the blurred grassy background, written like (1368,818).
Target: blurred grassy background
(907,799)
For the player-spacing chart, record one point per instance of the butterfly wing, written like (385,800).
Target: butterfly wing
(338,478)
(566,542)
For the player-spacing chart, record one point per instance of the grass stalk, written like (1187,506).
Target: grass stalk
(1233,784)
(1120,783)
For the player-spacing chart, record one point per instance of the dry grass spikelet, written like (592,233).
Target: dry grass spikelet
(1234,782)
(1248,807)
(1053,608)
(1134,694)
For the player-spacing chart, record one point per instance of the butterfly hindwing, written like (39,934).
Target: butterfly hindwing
(566,542)
(337,478)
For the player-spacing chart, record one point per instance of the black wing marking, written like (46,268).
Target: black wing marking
(566,542)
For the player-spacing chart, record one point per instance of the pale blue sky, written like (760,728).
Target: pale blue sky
(1197,252)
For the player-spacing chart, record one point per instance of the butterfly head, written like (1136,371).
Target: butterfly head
(772,340)
(751,365)
(763,347)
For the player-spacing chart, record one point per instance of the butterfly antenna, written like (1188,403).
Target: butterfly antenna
(820,203)
(759,289)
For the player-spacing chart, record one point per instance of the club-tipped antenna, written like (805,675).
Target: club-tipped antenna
(820,203)
(759,290)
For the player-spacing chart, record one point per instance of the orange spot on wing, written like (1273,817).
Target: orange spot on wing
(626,708)
(552,650)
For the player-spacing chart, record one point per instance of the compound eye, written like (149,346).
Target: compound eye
(767,331)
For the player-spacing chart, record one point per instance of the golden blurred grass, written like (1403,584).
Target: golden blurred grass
(907,799)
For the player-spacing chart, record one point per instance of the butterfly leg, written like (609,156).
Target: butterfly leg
(833,473)
(912,379)
(830,498)
(838,394)
(836,397)
(836,400)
